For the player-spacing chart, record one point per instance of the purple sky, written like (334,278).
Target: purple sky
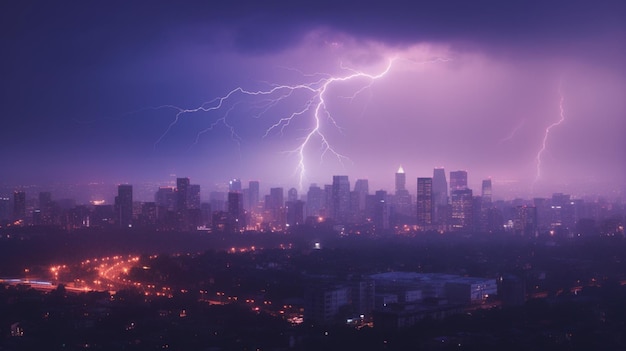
(473,86)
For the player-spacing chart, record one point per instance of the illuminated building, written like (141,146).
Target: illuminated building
(295,212)
(193,200)
(340,200)
(462,203)
(458,180)
(424,201)
(400,180)
(525,222)
(236,212)
(124,205)
(234,185)
(402,199)
(5,213)
(486,192)
(315,200)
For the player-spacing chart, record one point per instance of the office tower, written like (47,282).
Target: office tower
(274,206)
(295,212)
(46,207)
(193,201)
(253,195)
(165,199)
(124,205)
(525,222)
(458,180)
(400,180)
(440,196)
(315,200)
(234,185)
(19,205)
(381,211)
(462,204)
(483,222)
(328,199)
(182,194)
(486,191)
(424,201)
(236,213)
(5,208)
(217,199)
(402,199)
(340,200)
(361,190)
(292,195)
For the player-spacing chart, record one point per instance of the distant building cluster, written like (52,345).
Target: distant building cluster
(438,203)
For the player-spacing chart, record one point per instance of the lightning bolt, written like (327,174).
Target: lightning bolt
(513,132)
(547,134)
(315,106)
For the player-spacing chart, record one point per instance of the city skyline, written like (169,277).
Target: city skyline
(529,95)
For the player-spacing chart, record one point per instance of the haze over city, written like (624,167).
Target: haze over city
(92,93)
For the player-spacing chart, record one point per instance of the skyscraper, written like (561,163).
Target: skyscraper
(236,214)
(314,200)
(253,195)
(193,200)
(424,201)
(292,195)
(182,194)
(381,211)
(19,205)
(486,191)
(458,180)
(340,200)
(462,202)
(440,196)
(402,199)
(234,185)
(400,180)
(124,205)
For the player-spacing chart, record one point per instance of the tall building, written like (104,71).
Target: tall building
(486,191)
(361,191)
(425,201)
(19,205)
(253,195)
(274,206)
(440,196)
(124,205)
(193,201)
(292,195)
(462,203)
(46,207)
(400,180)
(315,200)
(340,201)
(295,212)
(236,212)
(234,185)
(402,199)
(381,211)
(458,180)
(182,194)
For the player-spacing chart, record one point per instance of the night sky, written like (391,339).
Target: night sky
(88,90)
